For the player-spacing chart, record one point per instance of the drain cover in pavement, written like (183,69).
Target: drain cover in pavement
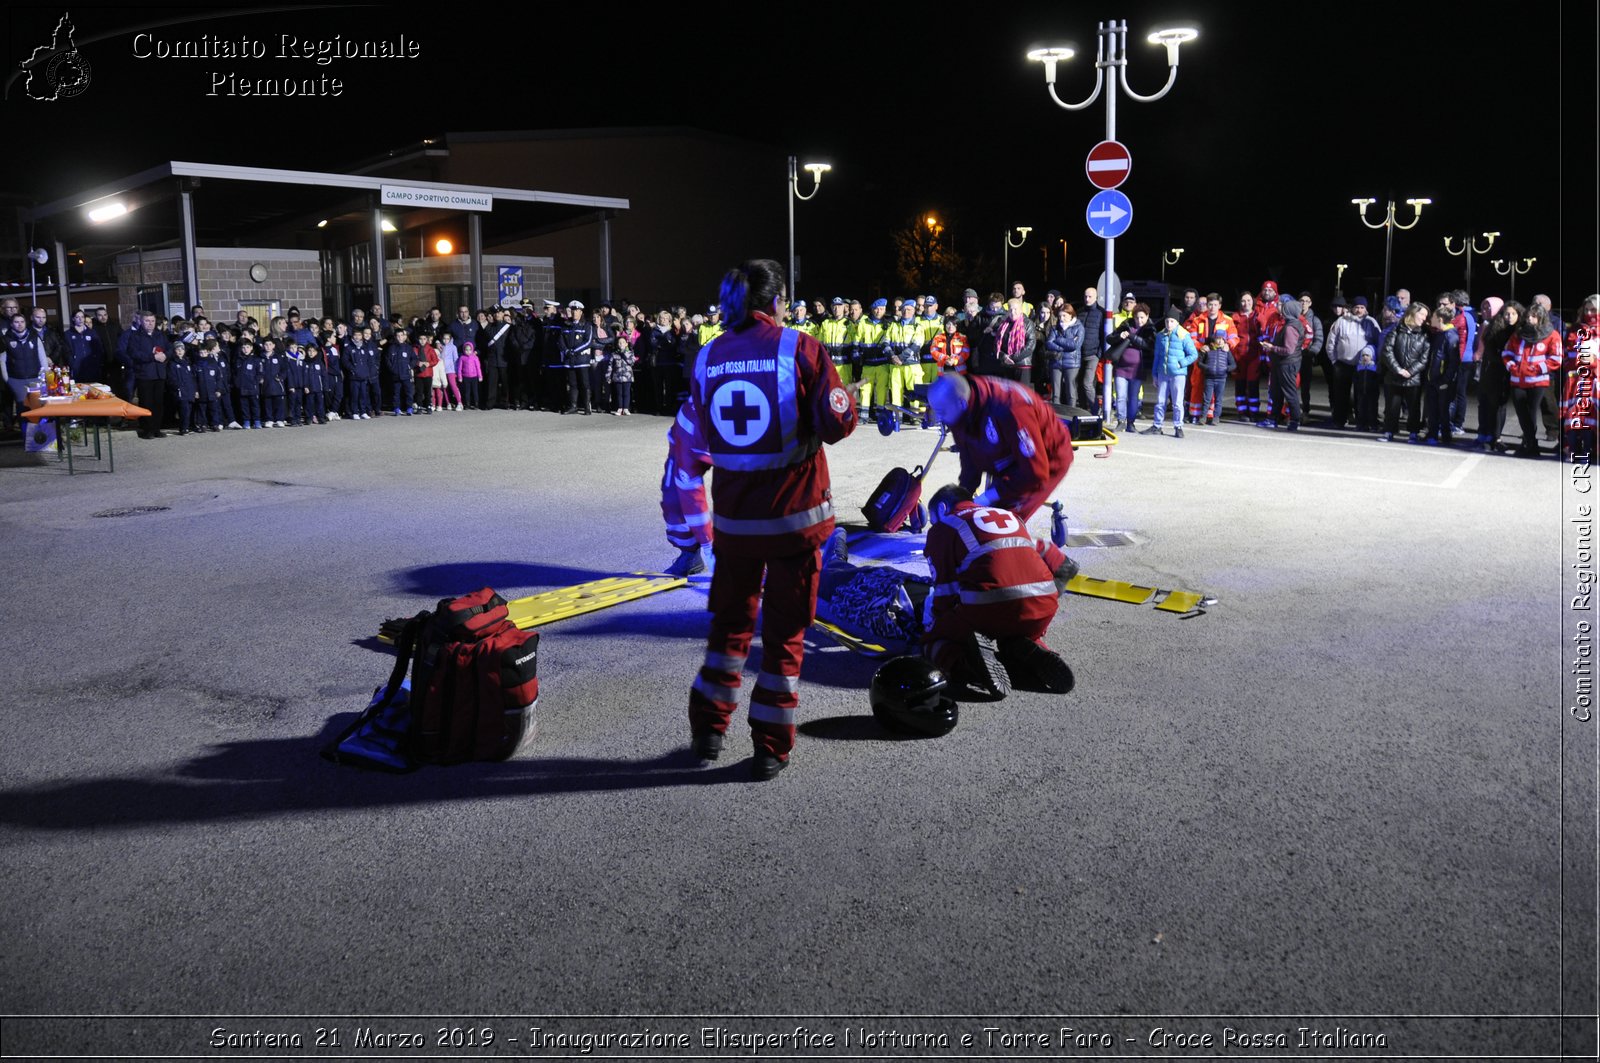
(1101,538)
(132,511)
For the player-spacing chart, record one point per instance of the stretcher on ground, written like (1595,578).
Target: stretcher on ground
(1086,429)
(563,603)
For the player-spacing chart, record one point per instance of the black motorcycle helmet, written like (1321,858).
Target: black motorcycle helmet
(909,696)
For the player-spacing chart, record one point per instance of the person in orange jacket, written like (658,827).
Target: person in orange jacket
(950,349)
(1269,325)
(1217,337)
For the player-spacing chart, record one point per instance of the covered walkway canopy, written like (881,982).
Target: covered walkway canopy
(190,204)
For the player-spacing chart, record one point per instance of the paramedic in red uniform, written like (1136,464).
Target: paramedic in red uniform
(683,497)
(992,581)
(763,399)
(1004,429)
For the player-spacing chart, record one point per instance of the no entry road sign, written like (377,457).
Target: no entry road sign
(1108,164)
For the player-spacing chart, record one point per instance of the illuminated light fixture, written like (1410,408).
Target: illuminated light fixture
(1172,38)
(933,221)
(817,169)
(388,226)
(323,224)
(443,246)
(1050,57)
(107,212)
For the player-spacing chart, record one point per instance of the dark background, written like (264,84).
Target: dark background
(1279,118)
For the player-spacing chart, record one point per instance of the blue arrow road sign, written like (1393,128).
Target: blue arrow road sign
(1109,214)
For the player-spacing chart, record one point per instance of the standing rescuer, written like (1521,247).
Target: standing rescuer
(763,399)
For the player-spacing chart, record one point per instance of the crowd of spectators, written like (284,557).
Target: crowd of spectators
(1430,366)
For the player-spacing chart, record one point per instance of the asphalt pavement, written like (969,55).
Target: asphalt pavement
(1337,793)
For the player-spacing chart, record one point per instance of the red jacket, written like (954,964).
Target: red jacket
(764,399)
(1265,324)
(950,351)
(1011,434)
(1578,399)
(426,359)
(987,566)
(683,485)
(1530,364)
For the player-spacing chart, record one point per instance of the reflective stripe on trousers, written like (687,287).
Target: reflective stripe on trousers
(786,608)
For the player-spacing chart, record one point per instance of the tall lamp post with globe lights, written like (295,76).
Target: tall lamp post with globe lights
(1111,64)
(816,169)
(1389,225)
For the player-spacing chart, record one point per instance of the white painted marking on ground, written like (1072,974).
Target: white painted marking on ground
(1262,435)
(1455,478)
(1241,467)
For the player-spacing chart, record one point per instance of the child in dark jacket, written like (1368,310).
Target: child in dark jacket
(181,385)
(399,357)
(316,370)
(247,379)
(1439,378)
(274,386)
(295,386)
(211,384)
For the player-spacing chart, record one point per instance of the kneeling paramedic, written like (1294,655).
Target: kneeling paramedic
(995,591)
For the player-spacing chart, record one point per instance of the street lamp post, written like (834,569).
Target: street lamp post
(1512,270)
(1111,65)
(1338,276)
(1389,225)
(1469,247)
(1005,254)
(1176,253)
(817,169)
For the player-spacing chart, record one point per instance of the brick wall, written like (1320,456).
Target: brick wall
(415,290)
(294,278)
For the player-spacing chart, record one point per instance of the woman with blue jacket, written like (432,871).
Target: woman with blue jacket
(1063,348)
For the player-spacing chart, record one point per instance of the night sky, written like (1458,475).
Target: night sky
(1279,118)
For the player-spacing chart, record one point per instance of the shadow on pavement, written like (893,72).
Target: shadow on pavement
(464,577)
(258,779)
(862,728)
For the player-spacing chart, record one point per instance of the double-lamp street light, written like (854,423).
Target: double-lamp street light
(1389,225)
(1111,65)
(1512,270)
(1469,247)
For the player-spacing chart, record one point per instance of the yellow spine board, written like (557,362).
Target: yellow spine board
(566,602)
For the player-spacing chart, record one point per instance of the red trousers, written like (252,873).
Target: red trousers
(787,608)
(947,639)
